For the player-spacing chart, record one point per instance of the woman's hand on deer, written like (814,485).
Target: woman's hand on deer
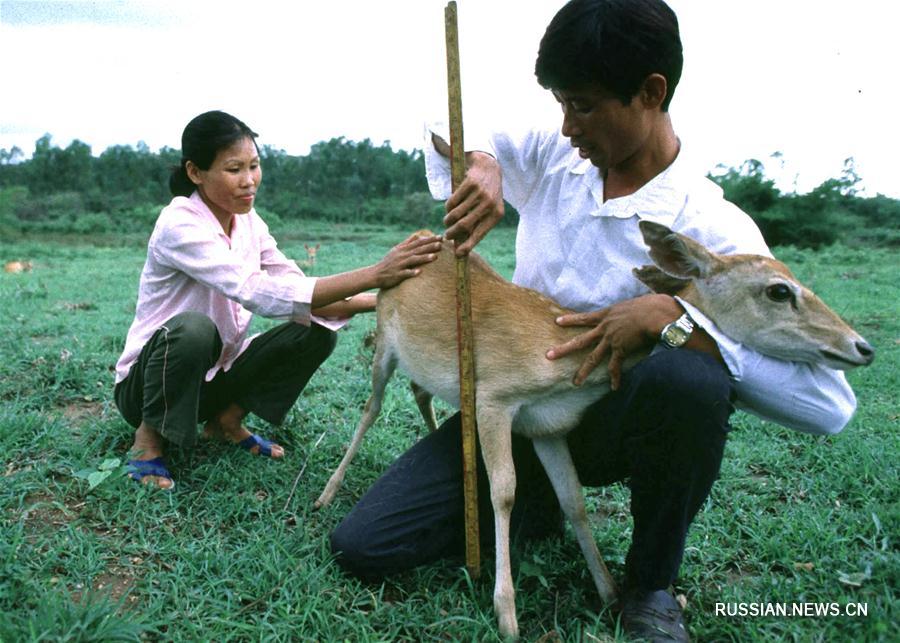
(621,330)
(404,260)
(477,204)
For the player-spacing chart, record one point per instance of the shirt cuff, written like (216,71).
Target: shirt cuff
(302,313)
(331,323)
(302,298)
(732,351)
(799,396)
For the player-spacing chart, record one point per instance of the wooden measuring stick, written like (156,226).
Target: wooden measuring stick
(465,343)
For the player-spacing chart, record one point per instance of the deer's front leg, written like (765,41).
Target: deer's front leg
(382,368)
(495,437)
(554,455)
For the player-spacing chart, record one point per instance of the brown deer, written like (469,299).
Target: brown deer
(754,299)
(17,266)
(311,252)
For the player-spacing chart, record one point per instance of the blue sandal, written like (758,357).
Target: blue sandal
(139,469)
(265,446)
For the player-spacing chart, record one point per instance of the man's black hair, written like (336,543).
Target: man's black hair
(615,44)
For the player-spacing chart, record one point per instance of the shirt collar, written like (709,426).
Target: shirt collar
(203,210)
(201,207)
(654,200)
(579,165)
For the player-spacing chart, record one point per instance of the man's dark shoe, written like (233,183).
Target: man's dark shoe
(653,616)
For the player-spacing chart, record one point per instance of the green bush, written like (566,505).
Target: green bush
(138,218)
(11,199)
(92,223)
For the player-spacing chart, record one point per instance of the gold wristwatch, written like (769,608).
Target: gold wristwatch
(676,334)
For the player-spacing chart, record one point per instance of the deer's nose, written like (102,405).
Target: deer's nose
(866,350)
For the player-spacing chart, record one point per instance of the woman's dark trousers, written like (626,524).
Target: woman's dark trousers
(166,387)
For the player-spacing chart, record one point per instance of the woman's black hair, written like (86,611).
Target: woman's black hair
(615,44)
(203,138)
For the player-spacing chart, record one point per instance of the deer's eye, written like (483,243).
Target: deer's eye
(779,293)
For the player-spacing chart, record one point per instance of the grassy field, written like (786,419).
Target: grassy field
(232,554)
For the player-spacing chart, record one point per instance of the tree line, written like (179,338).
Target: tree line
(69,190)
(833,211)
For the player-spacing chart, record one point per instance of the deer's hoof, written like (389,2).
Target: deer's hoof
(508,626)
(510,632)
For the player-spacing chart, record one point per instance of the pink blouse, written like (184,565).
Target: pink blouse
(192,265)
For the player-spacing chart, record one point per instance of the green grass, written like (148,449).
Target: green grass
(231,555)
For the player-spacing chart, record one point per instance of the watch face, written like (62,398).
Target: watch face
(675,336)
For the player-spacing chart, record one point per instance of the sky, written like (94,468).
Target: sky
(809,79)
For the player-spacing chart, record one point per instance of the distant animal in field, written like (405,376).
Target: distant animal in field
(754,299)
(311,252)
(17,266)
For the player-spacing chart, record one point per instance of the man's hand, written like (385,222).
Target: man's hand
(477,204)
(621,330)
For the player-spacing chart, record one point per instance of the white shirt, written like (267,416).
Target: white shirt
(192,265)
(579,250)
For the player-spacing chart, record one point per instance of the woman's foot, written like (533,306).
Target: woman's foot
(228,426)
(148,446)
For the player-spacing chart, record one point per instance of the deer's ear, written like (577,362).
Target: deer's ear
(659,281)
(676,254)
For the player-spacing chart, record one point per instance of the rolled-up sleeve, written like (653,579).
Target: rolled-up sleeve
(437,166)
(803,397)
(277,293)
(518,153)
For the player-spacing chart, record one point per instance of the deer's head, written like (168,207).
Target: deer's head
(311,252)
(752,299)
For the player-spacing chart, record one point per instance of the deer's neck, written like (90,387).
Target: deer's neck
(693,296)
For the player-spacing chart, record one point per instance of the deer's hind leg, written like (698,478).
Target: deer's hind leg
(557,460)
(382,368)
(423,401)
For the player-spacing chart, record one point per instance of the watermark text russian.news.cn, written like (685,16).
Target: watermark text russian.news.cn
(792,610)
